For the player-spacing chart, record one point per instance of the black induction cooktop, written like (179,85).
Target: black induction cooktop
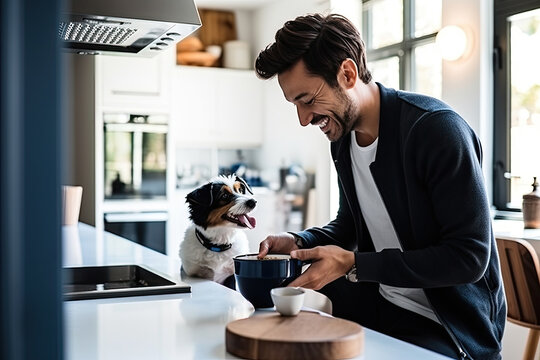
(97,282)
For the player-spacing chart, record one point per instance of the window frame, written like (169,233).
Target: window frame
(404,50)
(503,9)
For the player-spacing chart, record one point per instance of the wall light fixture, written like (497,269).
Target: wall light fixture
(452,42)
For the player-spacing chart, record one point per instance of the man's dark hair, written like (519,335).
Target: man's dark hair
(323,42)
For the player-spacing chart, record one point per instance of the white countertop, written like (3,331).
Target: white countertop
(515,229)
(175,326)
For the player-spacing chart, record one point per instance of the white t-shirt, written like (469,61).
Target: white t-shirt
(381,228)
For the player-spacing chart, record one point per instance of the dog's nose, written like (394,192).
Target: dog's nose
(251,203)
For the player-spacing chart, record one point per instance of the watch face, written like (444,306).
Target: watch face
(351,275)
(298,240)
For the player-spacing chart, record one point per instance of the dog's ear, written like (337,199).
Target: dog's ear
(202,195)
(239,179)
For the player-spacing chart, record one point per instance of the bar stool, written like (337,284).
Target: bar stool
(521,277)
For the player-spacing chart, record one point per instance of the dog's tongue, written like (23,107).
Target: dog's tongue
(247,220)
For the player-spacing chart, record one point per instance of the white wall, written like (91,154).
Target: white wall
(284,138)
(468,82)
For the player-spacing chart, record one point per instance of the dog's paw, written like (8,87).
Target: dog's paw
(205,273)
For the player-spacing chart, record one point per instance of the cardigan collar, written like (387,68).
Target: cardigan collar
(388,114)
(387,169)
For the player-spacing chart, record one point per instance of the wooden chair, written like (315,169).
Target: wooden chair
(521,277)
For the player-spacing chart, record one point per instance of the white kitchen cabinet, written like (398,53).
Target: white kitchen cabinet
(239,105)
(135,81)
(218,107)
(193,108)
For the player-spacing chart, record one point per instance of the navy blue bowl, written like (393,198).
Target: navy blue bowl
(255,278)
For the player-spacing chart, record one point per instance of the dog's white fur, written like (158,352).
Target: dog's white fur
(201,262)
(217,266)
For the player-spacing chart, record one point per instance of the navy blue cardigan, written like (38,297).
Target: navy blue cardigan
(428,172)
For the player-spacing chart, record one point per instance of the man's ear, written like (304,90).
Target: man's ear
(347,73)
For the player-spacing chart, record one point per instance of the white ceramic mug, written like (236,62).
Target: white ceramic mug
(288,300)
(71,204)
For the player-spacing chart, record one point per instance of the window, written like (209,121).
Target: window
(400,41)
(516,101)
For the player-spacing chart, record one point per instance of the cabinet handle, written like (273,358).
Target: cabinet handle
(139,93)
(136,217)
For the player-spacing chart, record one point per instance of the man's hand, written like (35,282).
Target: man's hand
(282,243)
(328,264)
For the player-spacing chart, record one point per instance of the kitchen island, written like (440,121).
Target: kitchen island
(174,326)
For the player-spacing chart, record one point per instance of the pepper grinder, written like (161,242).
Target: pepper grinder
(531,207)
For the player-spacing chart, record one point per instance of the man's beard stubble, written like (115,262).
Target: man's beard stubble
(346,120)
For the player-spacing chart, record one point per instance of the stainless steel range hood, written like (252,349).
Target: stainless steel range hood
(126,27)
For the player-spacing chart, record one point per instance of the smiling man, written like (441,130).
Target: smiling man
(411,251)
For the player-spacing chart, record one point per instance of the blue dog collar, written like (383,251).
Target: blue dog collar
(209,245)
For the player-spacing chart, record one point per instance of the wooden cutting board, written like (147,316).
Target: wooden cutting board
(305,336)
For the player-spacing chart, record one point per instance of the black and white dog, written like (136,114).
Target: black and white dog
(219,211)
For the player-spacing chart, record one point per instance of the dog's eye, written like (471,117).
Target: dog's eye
(226,196)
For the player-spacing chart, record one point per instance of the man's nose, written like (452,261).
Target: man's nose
(304,115)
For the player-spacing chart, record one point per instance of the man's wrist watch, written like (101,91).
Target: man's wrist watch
(351,274)
(298,240)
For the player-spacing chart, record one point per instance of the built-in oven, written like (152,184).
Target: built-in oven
(135,156)
(146,228)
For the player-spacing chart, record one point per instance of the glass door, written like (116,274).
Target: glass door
(524,103)
(118,163)
(154,164)
(135,160)
(516,102)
